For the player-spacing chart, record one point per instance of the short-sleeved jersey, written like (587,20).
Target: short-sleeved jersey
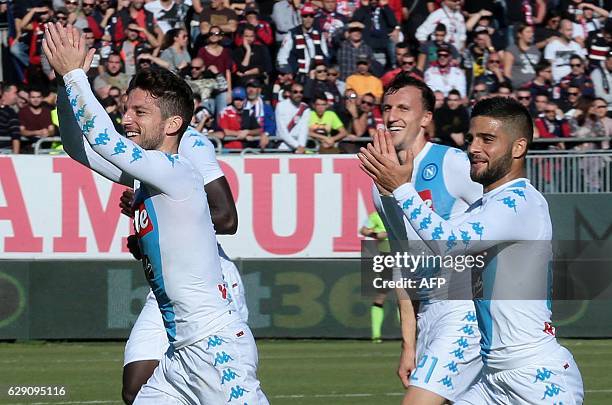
(511,224)
(441,177)
(172,221)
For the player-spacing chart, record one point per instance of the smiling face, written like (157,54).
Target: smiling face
(404,116)
(142,120)
(490,150)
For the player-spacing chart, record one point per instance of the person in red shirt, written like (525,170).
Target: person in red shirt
(35,119)
(407,64)
(239,123)
(263,30)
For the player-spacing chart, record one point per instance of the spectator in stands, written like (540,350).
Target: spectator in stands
(586,123)
(292,118)
(103,13)
(440,99)
(216,14)
(601,108)
(382,30)
(286,16)
(401,49)
(207,84)
(559,51)
(238,122)
(263,30)
(585,22)
(9,120)
(548,32)
(527,12)
(303,47)
(282,85)
(541,100)
(577,77)
(477,53)
(333,74)
(363,81)
(331,23)
(551,124)
(351,48)
(252,60)
(317,83)
(261,110)
(112,109)
(93,18)
(569,104)
(522,57)
(168,13)
(218,60)
(111,77)
(131,47)
(407,64)
(76,17)
(145,20)
(175,55)
(524,97)
(505,90)
(428,50)
(479,92)
(367,116)
(542,83)
(35,119)
(452,121)
(602,81)
(444,77)
(450,15)
(493,75)
(325,126)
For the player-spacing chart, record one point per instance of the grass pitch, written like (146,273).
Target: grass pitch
(291,372)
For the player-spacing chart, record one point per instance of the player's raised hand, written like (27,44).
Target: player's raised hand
(64,48)
(387,174)
(406,366)
(383,144)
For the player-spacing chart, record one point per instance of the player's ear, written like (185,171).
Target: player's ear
(426,120)
(173,125)
(519,148)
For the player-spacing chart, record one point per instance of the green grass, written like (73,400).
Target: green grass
(291,372)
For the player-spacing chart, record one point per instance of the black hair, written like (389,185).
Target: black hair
(454,92)
(440,27)
(403,79)
(319,96)
(514,116)
(173,94)
(543,64)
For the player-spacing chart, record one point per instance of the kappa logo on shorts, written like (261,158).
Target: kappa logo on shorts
(552,390)
(429,171)
(222,358)
(543,375)
(142,223)
(215,341)
(228,375)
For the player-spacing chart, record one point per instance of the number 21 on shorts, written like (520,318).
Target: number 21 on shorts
(422,364)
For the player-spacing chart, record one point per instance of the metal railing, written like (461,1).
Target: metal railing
(556,172)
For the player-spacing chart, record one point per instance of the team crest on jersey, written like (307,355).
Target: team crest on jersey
(142,223)
(429,171)
(427,198)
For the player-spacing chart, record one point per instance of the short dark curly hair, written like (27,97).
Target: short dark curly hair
(173,94)
(516,119)
(404,79)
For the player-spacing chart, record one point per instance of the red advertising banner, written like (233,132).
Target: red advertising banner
(288,206)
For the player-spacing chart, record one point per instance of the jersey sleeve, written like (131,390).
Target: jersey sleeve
(200,151)
(457,177)
(160,170)
(508,217)
(80,150)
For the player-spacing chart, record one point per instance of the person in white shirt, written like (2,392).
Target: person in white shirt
(292,116)
(443,77)
(602,81)
(559,51)
(449,15)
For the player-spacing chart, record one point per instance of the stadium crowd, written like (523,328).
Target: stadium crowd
(309,77)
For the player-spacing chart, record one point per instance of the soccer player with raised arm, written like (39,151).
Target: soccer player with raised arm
(510,225)
(212,356)
(148,340)
(444,361)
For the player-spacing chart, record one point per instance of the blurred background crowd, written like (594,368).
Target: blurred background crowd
(309,77)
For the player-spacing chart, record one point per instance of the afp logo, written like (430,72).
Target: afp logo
(429,171)
(142,222)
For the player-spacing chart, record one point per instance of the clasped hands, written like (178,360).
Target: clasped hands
(381,163)
(65,48)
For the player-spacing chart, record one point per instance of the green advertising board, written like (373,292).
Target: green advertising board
(286,297)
